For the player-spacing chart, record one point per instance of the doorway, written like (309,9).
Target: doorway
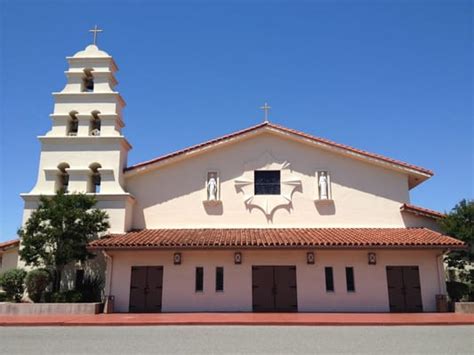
(404,291)
(146,286)
(274,289)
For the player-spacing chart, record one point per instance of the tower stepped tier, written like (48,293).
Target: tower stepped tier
(85,150)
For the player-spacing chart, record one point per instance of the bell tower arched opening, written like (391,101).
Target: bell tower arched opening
(95,124)
(95,178)
(62,178)
(88,81)
(73,124)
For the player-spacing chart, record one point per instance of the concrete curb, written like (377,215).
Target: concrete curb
(237,320)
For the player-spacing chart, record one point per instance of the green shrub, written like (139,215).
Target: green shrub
(91,288)
(70,296)
(3,296)
(36,282)
(457,290)
(12,282)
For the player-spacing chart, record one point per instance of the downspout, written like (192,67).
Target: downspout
(441,272)
(110,265)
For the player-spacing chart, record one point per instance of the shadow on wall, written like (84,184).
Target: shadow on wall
(93,267)
(213,209)
(325,207)
(187,177)
(414,221)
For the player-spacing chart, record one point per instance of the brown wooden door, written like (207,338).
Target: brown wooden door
(146,289)
(274,289)
(285,288)
(262,289)
(404,291)
(411,279)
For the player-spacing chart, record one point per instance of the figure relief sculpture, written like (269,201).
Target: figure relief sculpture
(323,186)
(212,187)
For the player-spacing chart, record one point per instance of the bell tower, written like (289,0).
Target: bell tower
(85,150)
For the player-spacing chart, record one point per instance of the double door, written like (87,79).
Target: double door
(146,286)
(404,291)
(274,289)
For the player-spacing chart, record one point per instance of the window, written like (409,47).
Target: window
(219,278)
(350,279)
(1,261)
(94,179)
(267,182)
(199,279)
(329,279)
(73,124)
(88,81)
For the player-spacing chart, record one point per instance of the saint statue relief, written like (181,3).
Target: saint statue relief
(212,188)
(323,186)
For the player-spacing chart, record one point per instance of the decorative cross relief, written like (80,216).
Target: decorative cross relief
(267,203)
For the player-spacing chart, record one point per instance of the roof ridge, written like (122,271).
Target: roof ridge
(263,228)
(422,210)
(348,147)
(288,130)
(195,146)
(8,243)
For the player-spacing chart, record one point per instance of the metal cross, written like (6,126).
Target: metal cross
(265,109)
(95,30)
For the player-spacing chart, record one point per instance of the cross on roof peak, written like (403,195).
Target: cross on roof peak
(95,31)
(266,108)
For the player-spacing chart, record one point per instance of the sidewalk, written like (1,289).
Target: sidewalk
(130,319)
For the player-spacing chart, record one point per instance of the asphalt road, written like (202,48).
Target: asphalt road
(237,340)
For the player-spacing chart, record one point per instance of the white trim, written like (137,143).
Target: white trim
(85,139)
(326,146)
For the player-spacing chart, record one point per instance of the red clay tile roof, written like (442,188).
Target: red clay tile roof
(9,244)
(421,211)
(286,130)
(276,238)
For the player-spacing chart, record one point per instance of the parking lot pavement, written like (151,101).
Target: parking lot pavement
(238,340)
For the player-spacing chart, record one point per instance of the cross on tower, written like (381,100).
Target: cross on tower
(95,30)
(266,109)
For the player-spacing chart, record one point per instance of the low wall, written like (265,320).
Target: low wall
(464,307)
(49,308)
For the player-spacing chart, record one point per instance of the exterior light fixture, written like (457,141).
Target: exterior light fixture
(310,257)
(372,258)
(177,258)
(237,257)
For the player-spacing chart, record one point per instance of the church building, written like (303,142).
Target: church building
(264,219)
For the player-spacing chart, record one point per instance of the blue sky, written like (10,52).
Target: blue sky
(390,77)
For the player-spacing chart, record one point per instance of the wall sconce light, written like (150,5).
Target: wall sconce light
(310,257)
(237,257)
(372,259)
(177,258)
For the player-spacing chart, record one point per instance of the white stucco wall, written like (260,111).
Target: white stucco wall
(9,259)
(79,154)
(412,220)
(371,293)
(364,195)
(118,208)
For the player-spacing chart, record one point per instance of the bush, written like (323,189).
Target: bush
(91,289)
(457,290)
(3,296)
(36,282)
(70,296)
(12,282)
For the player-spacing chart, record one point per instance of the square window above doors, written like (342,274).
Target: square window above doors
(267,182)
